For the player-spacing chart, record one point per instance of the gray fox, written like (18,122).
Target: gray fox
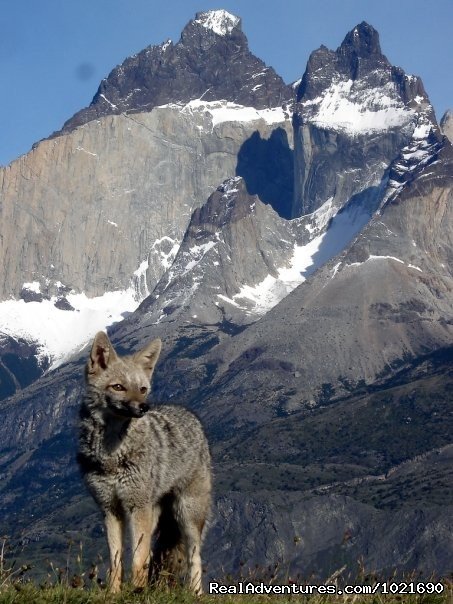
(146,467)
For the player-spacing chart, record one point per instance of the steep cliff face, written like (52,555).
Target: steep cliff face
(103,207)
(93,205)
(211,61)
(354,113)
(102,211)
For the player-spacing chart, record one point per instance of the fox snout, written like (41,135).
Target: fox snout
(127,408)
(137,410)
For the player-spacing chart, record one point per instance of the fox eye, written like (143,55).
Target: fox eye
(143,389)
(118,387)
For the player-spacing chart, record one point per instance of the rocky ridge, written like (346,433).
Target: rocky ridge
(211,61)
(384,300)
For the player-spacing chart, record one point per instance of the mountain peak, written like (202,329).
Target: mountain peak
(221,22)
(358,56)
(363,41)
(211,60)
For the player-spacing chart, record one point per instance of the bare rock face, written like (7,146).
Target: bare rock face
(93,205)
(446,124)
(385,300)
(211,61)
(231,241)
(354,113)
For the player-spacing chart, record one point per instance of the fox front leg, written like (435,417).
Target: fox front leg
(143,523)
(115,530)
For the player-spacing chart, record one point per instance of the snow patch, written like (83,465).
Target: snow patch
(33,286)
(224,111)
(305,260)
(139,281)
(320,218)
(87,152)
(220,22)
(59,334)
(166,248)
(372,257)
(197,253)
(335,269)
(422,131)
(113,106)
(355,110)
(416,156)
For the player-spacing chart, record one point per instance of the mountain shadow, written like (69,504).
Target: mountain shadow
(267,167)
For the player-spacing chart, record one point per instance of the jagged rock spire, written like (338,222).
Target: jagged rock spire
(363,41)
(211,60)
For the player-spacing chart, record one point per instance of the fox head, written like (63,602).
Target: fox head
(125,381)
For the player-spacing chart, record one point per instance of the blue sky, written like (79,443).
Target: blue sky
(53,53)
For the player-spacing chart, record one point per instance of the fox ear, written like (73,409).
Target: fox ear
(147,357)
(102,353)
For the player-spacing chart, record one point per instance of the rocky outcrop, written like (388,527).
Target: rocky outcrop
(211,61)
(20,365)
(354,113)
(234,240)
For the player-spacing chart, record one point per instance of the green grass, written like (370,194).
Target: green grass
(34,594)
(76,582)
(62,586)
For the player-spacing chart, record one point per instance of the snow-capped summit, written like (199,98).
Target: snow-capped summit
(211,60)
(349,93)
(221,22)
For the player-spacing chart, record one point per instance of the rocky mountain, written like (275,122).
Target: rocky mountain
(70,196)
(354,113)
(378,305)
(297,266)
(211,61)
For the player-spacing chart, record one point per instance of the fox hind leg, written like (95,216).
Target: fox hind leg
(169,555)
(191,514)
(192,544)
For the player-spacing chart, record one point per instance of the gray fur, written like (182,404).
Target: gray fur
(141,465)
